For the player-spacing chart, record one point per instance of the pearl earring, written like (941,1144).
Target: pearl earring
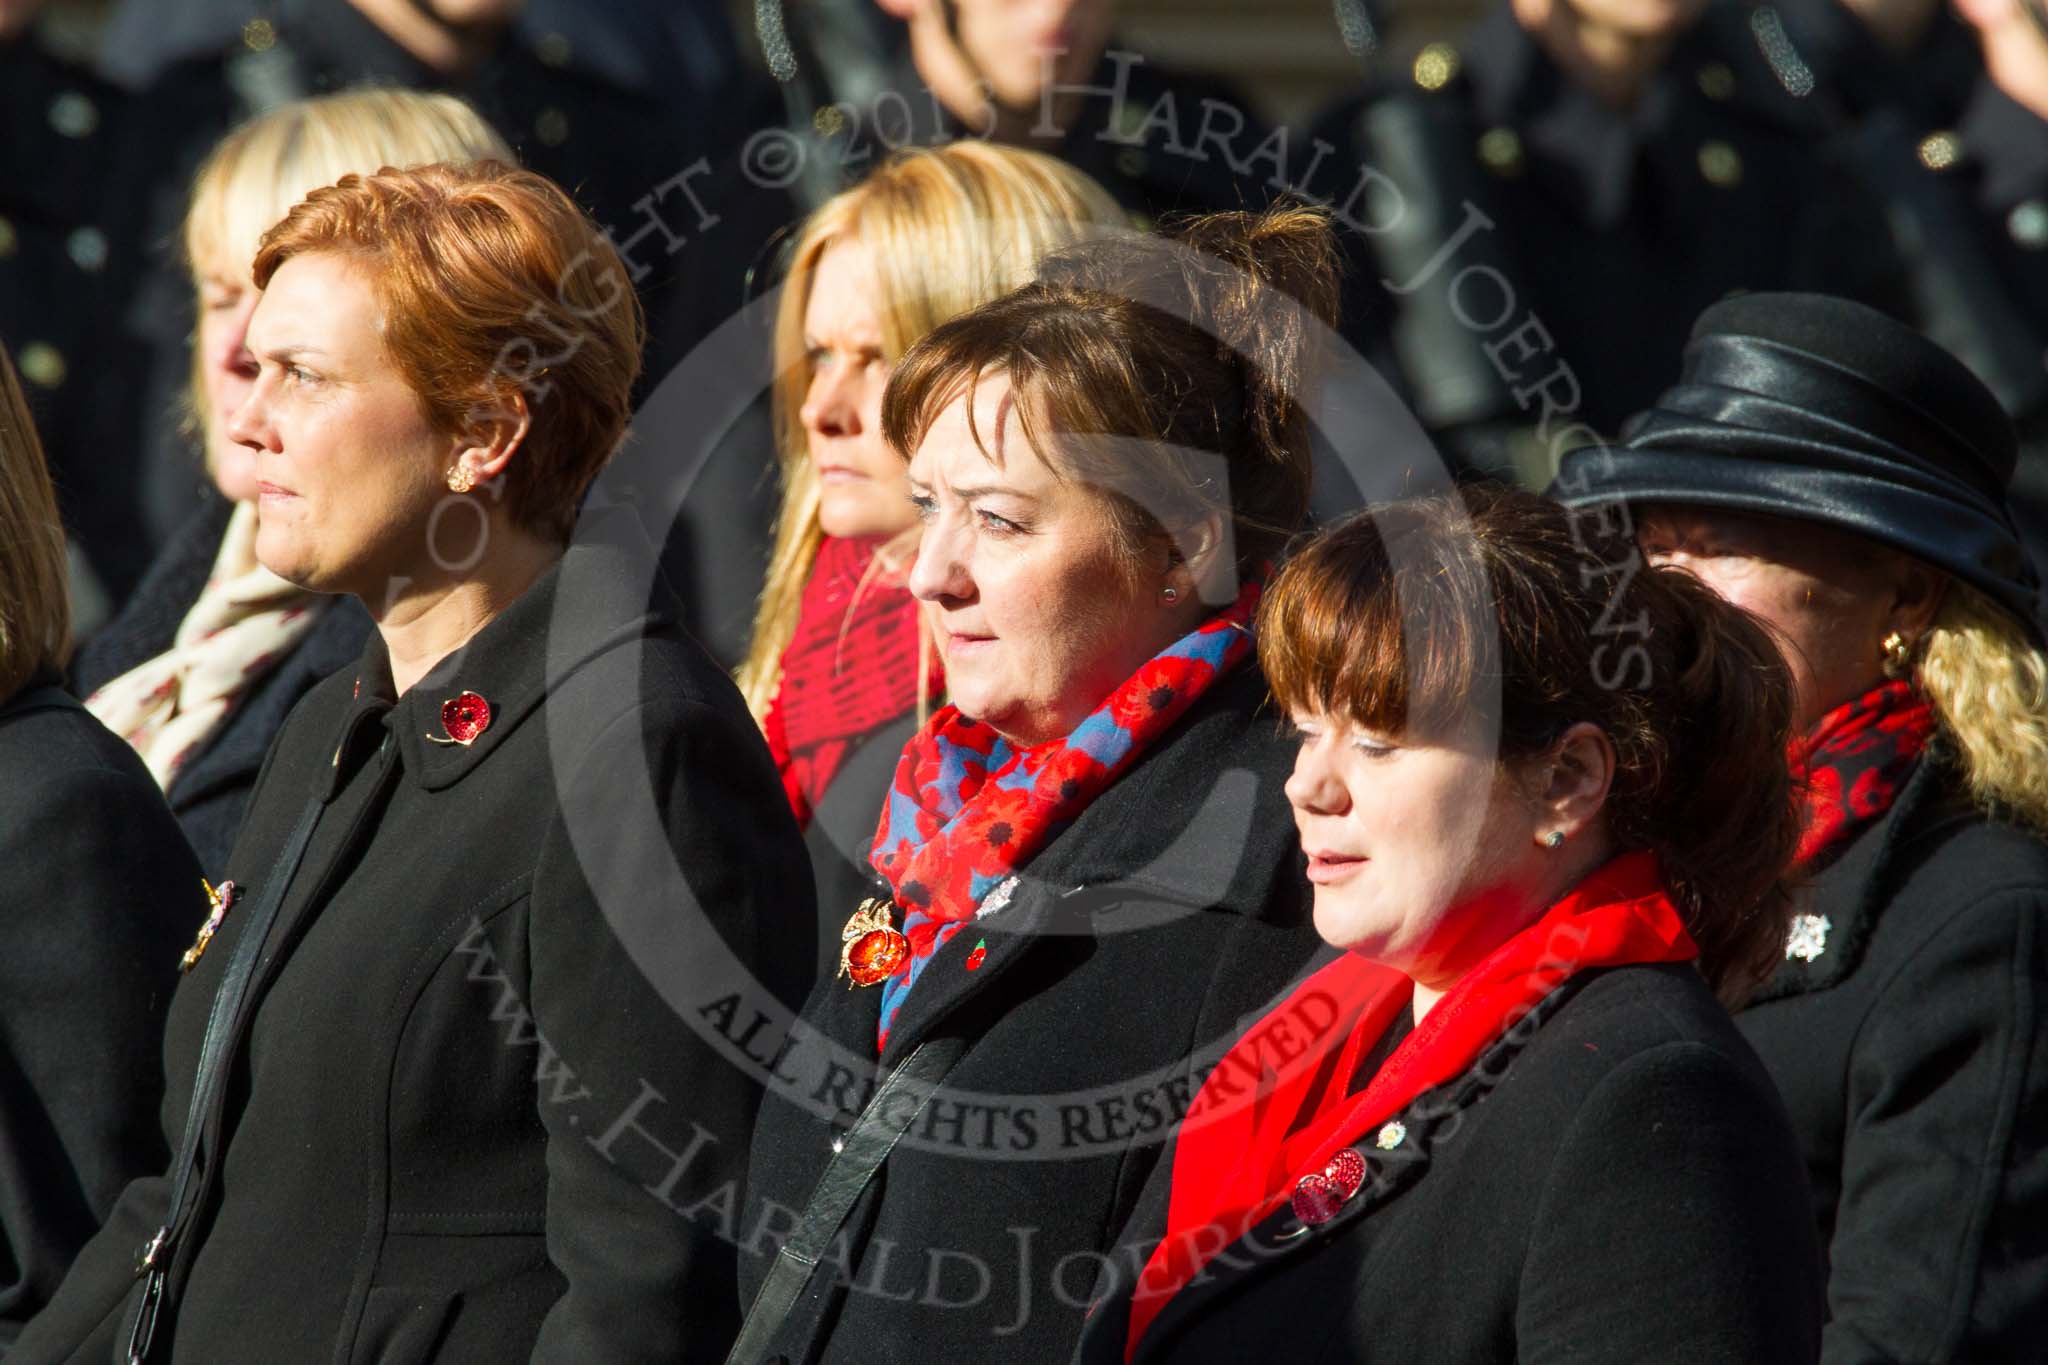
(1170,596)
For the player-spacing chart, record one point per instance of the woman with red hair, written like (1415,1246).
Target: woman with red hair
(418,1070)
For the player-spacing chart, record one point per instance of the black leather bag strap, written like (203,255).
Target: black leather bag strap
(207,1079)
(867,1145)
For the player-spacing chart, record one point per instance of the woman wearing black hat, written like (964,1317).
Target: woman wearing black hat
(1845,478)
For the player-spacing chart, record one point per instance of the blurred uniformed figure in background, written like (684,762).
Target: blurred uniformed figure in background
(1562,193)
(1958,171)
(1050,77)
(82,164)
(1912,55)
(1981,286)
(1995,162)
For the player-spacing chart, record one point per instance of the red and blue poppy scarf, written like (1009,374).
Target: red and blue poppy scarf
(967,810)
(1257,1129)
(1853,764)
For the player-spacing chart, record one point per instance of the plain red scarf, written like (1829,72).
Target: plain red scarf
(1255,1128)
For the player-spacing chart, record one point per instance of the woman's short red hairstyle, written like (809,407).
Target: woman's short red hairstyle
(493,283)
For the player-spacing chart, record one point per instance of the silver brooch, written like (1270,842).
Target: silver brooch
(998,896)
(1809,937)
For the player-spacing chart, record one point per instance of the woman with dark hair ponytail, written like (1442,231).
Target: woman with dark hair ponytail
(1546,813)
(1084,873)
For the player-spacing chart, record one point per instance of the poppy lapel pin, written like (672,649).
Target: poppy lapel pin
(464,716)
(1318,1196)
(870,950)
(219,899)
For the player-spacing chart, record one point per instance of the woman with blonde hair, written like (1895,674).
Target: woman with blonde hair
(212,651)
(99,887)
(837,658)
(1846,479)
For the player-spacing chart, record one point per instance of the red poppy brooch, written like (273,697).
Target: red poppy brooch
(464,716)
(870,950)
(1318,1196)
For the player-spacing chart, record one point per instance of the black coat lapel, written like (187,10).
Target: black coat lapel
(947,982)
(1181,833)
(1850,892)
(1397,1156)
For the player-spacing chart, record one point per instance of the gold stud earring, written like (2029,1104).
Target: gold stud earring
(460,480)
(1898,655)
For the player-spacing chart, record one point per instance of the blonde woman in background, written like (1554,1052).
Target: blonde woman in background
(1845,479)
(99,892)
(204,662)
(837,672)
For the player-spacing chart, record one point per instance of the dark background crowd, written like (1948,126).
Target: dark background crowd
(1756,293)
(1604,170)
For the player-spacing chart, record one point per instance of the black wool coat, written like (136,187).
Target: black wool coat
(1140,938)
(476,1115)
(1912,1052)
(211,792)
(842,831)
(100,896)
(1622,1187)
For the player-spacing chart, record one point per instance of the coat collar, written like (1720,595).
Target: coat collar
(232,755)
(42,692)
(1851,892)
(592,599)
(1199,822)
(1398,1156)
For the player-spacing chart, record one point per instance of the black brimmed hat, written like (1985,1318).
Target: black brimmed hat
(1807,406)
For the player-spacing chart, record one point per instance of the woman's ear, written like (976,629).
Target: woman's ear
(486,448)
(1917,591)
(1199,560)
(1576,778)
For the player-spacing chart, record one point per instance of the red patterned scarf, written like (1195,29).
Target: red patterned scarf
(1854,764)
(967,810)
(1256,1129)
(850,669)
